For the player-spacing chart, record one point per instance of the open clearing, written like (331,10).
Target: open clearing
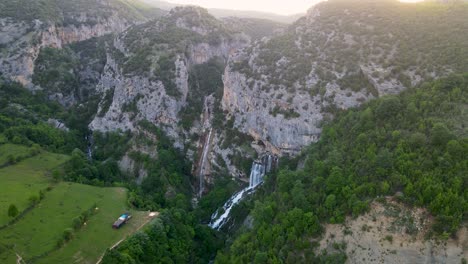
(14,151)
(25,179)
(34,237)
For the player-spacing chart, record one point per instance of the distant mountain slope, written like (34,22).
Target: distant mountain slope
(254,14)
(222,13)
(256,28)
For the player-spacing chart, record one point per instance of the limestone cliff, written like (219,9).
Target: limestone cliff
(21,37)
(341,54)
(164,86)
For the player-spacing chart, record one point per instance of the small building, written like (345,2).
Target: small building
(123,219)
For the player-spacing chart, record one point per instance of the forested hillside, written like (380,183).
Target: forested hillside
(413,145)
(66,13)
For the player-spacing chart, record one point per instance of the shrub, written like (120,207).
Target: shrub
(67,234)
(12,211)
(77,223)
(389,238)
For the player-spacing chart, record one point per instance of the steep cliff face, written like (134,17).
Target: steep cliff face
(279,134)
(152,73)
(22,37)
(340,55)
(22,51)
(136,98)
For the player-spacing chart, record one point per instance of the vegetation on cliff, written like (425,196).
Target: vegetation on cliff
(339,39)
(414,144)
(67,13)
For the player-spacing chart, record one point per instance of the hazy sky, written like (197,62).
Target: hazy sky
(283,7)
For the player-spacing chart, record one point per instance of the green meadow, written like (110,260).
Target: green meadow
(10,150)
(35,236)
(19,182)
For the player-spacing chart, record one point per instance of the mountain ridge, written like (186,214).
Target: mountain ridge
(337,57)
(222,13)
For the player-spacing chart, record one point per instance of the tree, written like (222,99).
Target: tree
(56,175)
(67,234)
(440,134)
(12,211)
(335,181)
(388,107)
(78,159)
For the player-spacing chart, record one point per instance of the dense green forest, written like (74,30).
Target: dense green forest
(414,144)
(23,120)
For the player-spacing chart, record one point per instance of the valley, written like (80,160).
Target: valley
(339,136)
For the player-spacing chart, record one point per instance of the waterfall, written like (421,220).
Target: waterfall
(269,161)
(217,221)
(256,174)
(201,174)
(259,169)
(89,147)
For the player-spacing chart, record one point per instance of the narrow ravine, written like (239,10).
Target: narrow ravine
(203,161)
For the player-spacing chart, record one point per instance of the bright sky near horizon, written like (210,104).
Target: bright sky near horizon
(282,7)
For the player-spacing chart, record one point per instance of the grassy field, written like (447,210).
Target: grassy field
(35,236)
(13,150)
(25,179)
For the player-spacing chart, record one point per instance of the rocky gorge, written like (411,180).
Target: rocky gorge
(278,104)
(235,98)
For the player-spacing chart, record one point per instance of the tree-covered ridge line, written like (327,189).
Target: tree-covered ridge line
(414,145)
(338,40)
(68,13)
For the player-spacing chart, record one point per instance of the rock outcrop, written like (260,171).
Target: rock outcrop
(21,41)
(392,233)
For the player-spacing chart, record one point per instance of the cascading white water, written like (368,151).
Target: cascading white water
(256,174)
(201,175)
(89,150)
(259,169)
(269,161)
(218,221)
